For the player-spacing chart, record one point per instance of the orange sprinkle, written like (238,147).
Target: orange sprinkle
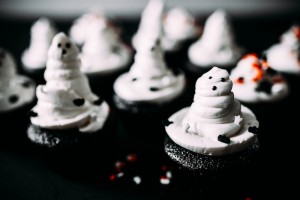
(112,177)
(250,55)
(240,80)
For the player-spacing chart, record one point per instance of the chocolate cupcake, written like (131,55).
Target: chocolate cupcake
(35,56)
(216,135)
(17,95)
(216,46)
(67,112)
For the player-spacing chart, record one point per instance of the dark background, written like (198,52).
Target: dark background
(28,172)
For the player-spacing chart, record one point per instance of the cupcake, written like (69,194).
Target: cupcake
(149,85)
(80,27)
(104,56)
(34,57)
(150,27)
(17,94)
(67,111)
(179,27)
(255,81)
(285,56)
(216,134)
(216,46)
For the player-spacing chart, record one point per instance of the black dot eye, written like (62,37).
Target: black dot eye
(68,45)
(13,98)
(214,88)
(59,45)
(78,102)
(210,77)
(223,79)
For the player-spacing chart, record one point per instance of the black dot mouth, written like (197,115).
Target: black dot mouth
(63,52)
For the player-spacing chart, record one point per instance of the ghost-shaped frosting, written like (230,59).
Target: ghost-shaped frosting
(15,90)
(66,101)
(150,27)
(285,56)
(103,51)
(42,33)
(215,123)
(255,81)
(149,79)
(216,46)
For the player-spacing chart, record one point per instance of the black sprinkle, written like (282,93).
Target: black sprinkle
(223,79)
(167,122)
(78,102)
(224,139)
(210,77)
(271,71)
(64,51)
(13,98)
(264,86)
(134,79)
(98,102)
(253,129)
(32,114)
(26,84)
(59,45)
(214,88)
(153,89)
(68,45)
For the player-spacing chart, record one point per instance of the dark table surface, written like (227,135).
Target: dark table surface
(27,173)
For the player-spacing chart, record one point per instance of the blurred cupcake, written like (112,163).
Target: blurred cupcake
(285,56)
(150,85)
(34,57)
(216,134)
(67,112)
(81,26)
(179,27)
(255,81)
(17,94)
(104,56)
(216,46)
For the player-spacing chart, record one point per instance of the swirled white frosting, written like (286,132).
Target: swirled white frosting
(214,112)
(250,75)
(216,46)
(150,27)
(149,79)
(285,56)
(42,33)
(81,26)
(66,101)
(103,51)
(15,90)
(178,26)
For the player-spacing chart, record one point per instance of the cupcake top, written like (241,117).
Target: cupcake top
(42,33)
(80,27)
(149,79)
(150,27)
(215,124)
(66,101)
(216,46)
(285,56)
(103,51)
(255,81)
(178,25)
(15,90)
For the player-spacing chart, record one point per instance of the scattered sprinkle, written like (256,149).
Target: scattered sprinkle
(119,175)
(137,180)
(132,157)
(164,180)
(210,77)
(134,79)
(169,174)
(119,165)
(240,80)
(112,177)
